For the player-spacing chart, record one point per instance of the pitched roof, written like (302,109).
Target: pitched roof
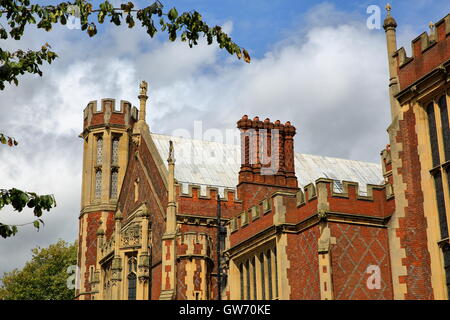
(207,163)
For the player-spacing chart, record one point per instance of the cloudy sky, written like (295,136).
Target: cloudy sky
(313,63)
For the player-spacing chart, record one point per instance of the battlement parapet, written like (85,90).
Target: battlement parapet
(106,113)
(206,192)
(342,189)
(429,51)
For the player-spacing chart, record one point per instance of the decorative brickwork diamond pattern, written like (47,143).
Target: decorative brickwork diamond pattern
(358,247)
(303,273)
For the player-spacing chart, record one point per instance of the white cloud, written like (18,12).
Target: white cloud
(328,79)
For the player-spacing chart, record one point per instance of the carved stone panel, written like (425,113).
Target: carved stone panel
(131,236)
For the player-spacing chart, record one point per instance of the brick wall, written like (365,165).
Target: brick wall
(357,248)
(424,62)
(412,227)
(303,273)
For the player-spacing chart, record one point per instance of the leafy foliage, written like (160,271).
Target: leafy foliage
(44,277)
(7,140)
(20,62)
(19,200)
(20,13)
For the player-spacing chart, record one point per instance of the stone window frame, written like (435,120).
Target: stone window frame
(440,167)
(131,273)
(271,282)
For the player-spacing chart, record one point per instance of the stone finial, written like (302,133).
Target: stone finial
(431,25)
(142,100)
(171,159)
(118,215)
(389,22)
(432,31)
(144,212)
(143,86)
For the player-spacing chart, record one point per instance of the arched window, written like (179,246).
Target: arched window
(132,267)
(247,270)
(269,273)
(433,134)
(99,151)
(114,182)
(440,170)
(132,286)
(445,126)
(115,152)
(253,263)
(263,282)
(98,184)
(276,270)
(241,274)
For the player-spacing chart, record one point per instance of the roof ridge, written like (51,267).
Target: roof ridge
(237,146)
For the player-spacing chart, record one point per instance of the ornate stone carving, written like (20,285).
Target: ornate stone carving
(322,215)
(144,267)
(136,138)
(131,237)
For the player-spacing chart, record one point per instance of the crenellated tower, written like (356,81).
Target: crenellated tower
(416,162)
(107,129)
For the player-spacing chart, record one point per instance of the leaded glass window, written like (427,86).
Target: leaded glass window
(114,182)
(132,268)
(445,126)
(263,283)
(254,277)
(276,270)
(99,151)
(433,134)
(132,286)
(440,199)
(241,275)
(247,270)
(440,169)
(269,272)
(115,151)
(98,184)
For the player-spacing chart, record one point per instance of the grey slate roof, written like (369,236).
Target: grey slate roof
(216,164)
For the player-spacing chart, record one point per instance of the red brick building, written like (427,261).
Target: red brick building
(291,226)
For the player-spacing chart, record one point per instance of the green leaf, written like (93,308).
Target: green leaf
(173,14)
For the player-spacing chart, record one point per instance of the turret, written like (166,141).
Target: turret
(106,137)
